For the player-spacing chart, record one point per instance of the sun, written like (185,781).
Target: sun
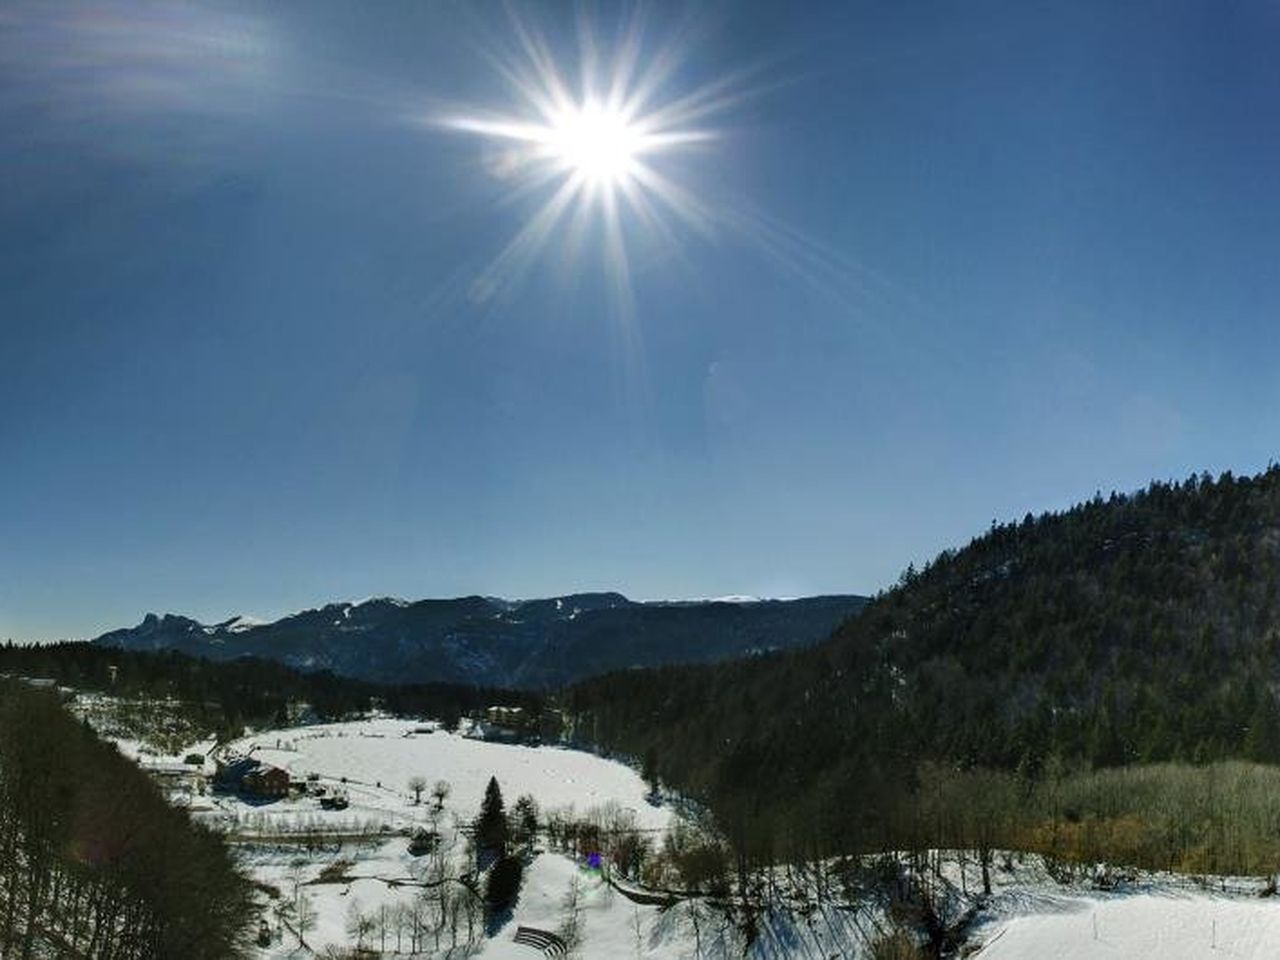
(617,151)
(595,143)
(598,138)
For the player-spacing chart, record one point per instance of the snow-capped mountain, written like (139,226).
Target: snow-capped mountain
(492,641)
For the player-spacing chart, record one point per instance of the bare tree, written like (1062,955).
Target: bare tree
(441,792)
(381,924)
(285,910)
(419,912)
(571,922)
(306,919)
(417,784)
(294,875)
(473,906)
(637,927)
(695,922)
(359,925)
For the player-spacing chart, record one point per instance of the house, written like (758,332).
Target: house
(174,777)
(511,717)
(500,724)
(231,773)
(484,730)
(267,781)
(253,777)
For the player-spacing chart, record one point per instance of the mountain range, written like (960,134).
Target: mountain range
(530,644)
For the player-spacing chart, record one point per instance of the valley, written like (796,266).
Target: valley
(351,876)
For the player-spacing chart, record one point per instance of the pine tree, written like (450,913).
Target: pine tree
(502,888)
(525,820)
(649,772)
(492,830)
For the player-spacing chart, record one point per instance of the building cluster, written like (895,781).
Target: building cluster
(501,725)
(253,778)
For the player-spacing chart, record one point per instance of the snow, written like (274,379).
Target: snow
(242,623)
(386,751)
(377,756)
(1029,915)
(727,598)
(1169,924)
(605,920)
(394,601)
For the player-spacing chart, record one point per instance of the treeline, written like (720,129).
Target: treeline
(1220,818)
(93,861)
(225,696)
(1133,629)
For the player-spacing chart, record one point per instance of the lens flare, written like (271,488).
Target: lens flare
(605,152)
(595,148)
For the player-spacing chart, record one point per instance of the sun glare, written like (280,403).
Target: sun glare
(596,148)
(594,142)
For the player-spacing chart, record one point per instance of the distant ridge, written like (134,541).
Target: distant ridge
(491,641)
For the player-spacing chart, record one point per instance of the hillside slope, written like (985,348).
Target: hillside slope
(1136,628)
(530,644)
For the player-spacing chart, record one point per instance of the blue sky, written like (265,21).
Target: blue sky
(965,261)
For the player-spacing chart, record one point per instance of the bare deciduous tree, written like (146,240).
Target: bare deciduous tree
(306,918)
(417,784)
(441,792)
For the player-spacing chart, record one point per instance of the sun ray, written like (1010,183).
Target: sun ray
(595,145)
(519,254)
(675,198)
(612,140)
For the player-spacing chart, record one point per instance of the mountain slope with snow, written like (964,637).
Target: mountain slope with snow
(494,642)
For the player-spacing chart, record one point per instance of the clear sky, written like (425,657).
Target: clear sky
(936,264)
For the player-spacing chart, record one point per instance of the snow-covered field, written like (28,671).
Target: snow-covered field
(1156,923)
(371,761)
(370,872)
(383,881)
(378,756)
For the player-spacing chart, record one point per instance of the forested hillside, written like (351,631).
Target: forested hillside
(224,696)
(93,861)
(1135,628)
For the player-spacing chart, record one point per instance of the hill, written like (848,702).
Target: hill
(93,861)
(224,696)
(1132,629)
(530,644)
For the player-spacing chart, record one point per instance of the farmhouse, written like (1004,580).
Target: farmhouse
(500,724)
(174,777)
(254,778)
(267,781)
(512,717)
